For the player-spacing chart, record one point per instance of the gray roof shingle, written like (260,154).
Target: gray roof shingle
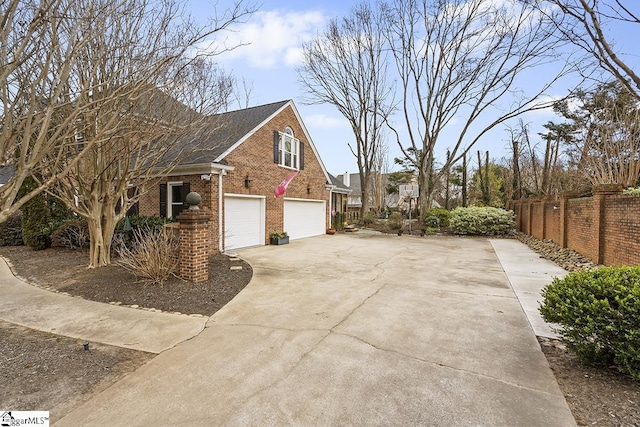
(225,130)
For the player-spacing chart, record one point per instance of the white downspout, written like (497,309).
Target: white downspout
(220,201)
(330,207)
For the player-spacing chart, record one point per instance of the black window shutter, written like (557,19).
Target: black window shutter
(163,200)
(276,147)
(301,155)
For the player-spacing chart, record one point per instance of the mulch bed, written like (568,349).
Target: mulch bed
(66,270)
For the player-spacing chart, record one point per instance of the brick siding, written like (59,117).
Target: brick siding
(253,159)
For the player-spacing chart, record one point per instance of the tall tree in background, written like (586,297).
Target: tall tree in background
(137,90)
(346,67)
(456,61)
(584,25)
(606,139)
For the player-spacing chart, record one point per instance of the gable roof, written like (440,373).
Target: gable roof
(339,185)
(229,130)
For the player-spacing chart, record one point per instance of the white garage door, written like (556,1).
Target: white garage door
(304,218)
(244,221)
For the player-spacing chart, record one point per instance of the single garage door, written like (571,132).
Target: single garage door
(304,218)
(243,221)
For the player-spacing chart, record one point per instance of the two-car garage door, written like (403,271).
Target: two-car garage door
(244,218)
(304,218)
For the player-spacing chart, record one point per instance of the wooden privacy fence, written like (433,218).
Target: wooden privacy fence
(604,227)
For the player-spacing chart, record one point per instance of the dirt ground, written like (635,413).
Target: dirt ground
(42,371)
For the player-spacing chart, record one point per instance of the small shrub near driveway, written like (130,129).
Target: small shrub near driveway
(153,257)
(483,221)
(599,314)
(71,234)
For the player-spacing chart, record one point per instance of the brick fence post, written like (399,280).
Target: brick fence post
(564,197)
(194,241)
(600,192)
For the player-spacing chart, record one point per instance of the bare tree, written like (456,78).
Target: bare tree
(586,29)
(37,57)
(606,138)
(378,182)
(140,93)
(346,67)
(458,61)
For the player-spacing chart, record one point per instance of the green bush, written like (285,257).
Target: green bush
(11,231)
(338,220)
(484,221)
(599,315)
(634,191)
(432,222)
(144,223)
(71,234)
(368,218)
(35,217)
(443,215)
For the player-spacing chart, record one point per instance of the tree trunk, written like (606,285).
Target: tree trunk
(486,192)
(101,232)
(464,180)
(364,192)
(517,191)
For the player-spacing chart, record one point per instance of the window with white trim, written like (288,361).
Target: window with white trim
(172,198)
(288,150)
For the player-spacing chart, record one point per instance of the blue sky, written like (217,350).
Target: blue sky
(268,63)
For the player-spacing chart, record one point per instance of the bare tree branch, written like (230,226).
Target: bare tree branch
(457,62)
(346,67)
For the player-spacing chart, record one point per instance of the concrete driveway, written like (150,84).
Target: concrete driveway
(352,330)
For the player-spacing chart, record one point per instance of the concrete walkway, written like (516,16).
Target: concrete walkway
(528,274)
(37,308)
(352,330)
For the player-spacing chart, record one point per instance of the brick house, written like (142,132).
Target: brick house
(236,172)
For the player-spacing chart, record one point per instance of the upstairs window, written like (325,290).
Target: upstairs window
(287,150)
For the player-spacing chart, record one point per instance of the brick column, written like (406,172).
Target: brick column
(564,197)
(600,192)
(194,244)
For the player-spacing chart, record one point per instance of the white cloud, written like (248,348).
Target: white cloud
(326,122)
(273,38)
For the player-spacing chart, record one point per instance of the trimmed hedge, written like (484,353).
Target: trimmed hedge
(483,221)
(599,314)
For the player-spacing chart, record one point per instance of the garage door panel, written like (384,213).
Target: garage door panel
(304,218)
(244,222)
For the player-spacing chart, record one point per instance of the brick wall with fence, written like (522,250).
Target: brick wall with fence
(604,227)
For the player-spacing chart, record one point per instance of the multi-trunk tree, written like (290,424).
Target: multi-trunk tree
(126,87)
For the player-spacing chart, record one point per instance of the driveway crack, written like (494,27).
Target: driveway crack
(440,364)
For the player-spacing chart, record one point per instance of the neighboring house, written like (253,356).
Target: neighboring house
(236,172)
(378,197)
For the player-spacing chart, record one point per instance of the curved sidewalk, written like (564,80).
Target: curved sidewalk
(47,311)
(352,330)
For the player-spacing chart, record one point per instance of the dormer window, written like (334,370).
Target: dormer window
(288,151)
